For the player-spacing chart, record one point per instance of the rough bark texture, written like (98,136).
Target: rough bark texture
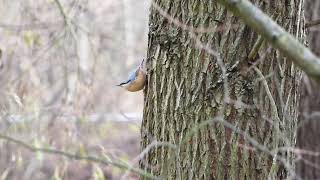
(186,91)
(308,165)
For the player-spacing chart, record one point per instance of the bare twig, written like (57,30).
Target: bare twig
(254,51)
(37,26)
(145,151)
(76,156)
(276,35)
(67,21)
(62,11)
(180,24)
(312,23)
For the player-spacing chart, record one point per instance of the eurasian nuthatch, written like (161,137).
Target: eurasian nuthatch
(136,81)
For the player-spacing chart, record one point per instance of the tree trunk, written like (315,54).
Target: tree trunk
(308,164)
(209,113)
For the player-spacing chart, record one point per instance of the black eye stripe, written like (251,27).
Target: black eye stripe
(124,83)
(127,82)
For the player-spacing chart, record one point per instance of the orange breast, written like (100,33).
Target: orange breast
(139,82)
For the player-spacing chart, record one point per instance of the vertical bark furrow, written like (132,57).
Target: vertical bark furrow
(185,93)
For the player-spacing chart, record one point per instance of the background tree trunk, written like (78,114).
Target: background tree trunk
(186,94)
(308,165)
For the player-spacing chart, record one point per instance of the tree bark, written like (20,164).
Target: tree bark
(308,163)
(212,111)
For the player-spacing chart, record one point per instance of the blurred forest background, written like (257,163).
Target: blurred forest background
(60,62)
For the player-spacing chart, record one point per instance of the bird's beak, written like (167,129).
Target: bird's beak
(121,84)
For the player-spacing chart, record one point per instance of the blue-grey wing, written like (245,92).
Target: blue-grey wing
(132,75)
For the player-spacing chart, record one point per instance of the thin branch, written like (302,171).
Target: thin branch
(274,114)
(62,11)
(259,146)
(76,156)
(180,24)
(67,21)
(312,23)
(37,26)
(145,151)
(254,51)
(276,35)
